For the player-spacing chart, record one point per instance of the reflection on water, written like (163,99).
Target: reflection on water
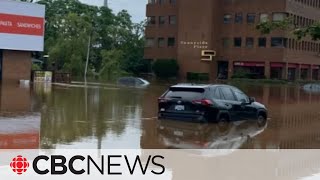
(48,116)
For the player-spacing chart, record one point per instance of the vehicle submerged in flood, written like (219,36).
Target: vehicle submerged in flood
(207,103)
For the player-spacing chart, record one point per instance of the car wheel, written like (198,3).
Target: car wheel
(262,120)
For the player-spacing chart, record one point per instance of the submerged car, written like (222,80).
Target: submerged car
(133,82)
(311,88)
(208,103)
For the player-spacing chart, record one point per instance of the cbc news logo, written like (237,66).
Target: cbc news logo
(19,165)
(104,165)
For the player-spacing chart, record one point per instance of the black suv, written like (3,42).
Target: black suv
(207,103)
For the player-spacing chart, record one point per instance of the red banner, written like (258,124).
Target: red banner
(17,24)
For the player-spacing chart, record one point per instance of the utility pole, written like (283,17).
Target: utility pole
(87,62)
(105,4)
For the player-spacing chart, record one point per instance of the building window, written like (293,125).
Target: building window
(227,18)
(251,17)
(278,42)
(162,20)
(278,16)
(161,2)
(249,42)
(152,1)
(237,42)
(264,17)
(161,42)
(238,18)
(172,20)
(151,20)
(226,42)
(149,42)
(173,1)
(171,41)
(262,42)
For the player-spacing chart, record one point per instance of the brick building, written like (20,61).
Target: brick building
(194,31)
(21,32)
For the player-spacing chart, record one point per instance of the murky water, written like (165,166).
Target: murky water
(45,116)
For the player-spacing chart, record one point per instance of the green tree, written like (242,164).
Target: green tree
(111,62)
(165,68)
(312,31)
(69,26)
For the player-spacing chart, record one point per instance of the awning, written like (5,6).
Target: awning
(277,65)
(304,66)
(290,65)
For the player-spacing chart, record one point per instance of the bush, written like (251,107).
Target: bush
(197,76)
(165,68)
(241,73)
(36,67)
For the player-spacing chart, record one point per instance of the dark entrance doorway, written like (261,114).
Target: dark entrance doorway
(222,72)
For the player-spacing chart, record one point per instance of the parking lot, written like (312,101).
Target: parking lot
(105,116)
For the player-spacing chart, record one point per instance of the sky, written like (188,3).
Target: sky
(136,8)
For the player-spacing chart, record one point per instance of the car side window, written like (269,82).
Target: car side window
(227,94)
(241,96)
(217,94)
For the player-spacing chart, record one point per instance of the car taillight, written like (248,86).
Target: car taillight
(205,102)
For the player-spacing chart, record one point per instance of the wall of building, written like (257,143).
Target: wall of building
(166,30)
(203,21)
(16,65)
(194,27)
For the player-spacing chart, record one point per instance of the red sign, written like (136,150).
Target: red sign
(17,24)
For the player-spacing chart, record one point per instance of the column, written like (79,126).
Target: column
(285,72)
(267,70)
(230,69)
(310,73)
(298,73)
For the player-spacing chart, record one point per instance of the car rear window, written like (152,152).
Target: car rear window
(186,93)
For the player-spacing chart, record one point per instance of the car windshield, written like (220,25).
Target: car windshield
(186,93)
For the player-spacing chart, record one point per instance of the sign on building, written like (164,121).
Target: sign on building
(21,26)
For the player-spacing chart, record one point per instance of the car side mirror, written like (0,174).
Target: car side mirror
(252,100)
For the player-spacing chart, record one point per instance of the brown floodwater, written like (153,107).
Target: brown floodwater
(107,116)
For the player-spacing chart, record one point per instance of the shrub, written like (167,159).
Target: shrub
(197,76)
(241,73)
(36,67)
(165,68)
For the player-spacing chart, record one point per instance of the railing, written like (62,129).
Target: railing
(61,77)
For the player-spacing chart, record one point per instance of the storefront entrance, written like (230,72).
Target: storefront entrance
(252,70)
(222,72)
(315,72)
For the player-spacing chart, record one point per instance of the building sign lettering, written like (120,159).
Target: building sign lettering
(208,55)
(196,44)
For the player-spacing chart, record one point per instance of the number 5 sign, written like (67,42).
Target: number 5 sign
(208,55)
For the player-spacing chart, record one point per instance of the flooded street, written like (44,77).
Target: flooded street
(107,116)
